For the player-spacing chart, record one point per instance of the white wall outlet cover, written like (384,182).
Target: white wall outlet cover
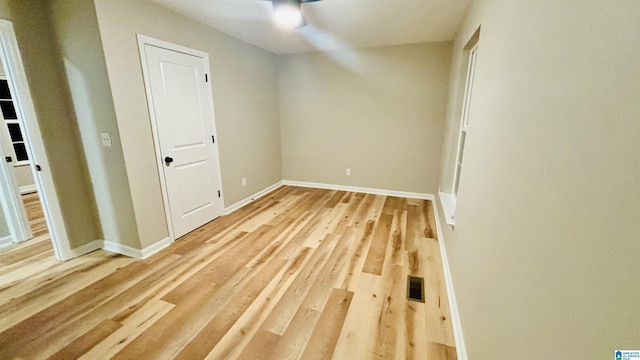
(244,181)
(348,172)
(106,139)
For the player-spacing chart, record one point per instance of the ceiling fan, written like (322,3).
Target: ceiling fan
(288,13)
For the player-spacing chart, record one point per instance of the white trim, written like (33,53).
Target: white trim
(122,249)
(411,195)
(229,209)
(461,348)
(31,130)
(136,253)
(152,116)
(156,247)
(6,241)
(146,40)
(464,118)
(86,248)
(28,189)
(448,202)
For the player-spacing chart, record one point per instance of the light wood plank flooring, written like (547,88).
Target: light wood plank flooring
(298,274)
(35,214)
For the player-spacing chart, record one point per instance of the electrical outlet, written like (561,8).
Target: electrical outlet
(244,182)
(348,172)
(106,139)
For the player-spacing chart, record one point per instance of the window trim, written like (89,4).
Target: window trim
(464,120)
(449,200)
(448,203)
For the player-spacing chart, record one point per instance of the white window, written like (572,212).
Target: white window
(449,200)
(464,121)
(12,124)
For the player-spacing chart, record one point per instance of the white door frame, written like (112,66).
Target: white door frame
(19,87)
(12,205)
(146,40)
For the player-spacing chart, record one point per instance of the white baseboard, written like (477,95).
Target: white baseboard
(6,241)
(122,249)
(86,248)
(404,194)
(27,189)
(136,253)
(156,247)
(269,189)
(461,348)
(241,203)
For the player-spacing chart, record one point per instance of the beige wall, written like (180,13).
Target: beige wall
(244,83)
(45,74)
(544,256)
(80,45)
(378,111)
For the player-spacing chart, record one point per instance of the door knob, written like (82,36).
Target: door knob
(168,160)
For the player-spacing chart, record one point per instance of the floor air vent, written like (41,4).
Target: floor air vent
(415,288)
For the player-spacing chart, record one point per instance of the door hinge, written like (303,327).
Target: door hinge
(206,77)
(38,168)
(213,139)
(218,193)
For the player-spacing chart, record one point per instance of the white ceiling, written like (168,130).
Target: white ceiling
(333,24)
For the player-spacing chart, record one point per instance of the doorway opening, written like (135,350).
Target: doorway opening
(29,203)
(15,154)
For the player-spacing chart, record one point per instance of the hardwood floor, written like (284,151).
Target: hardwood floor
(35,214)
(300,273)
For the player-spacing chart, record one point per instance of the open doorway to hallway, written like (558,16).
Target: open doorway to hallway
(24,193)
(15,151)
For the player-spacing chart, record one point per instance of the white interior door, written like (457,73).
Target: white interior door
(183,108)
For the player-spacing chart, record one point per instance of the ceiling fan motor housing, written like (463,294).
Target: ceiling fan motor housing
(293,3)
